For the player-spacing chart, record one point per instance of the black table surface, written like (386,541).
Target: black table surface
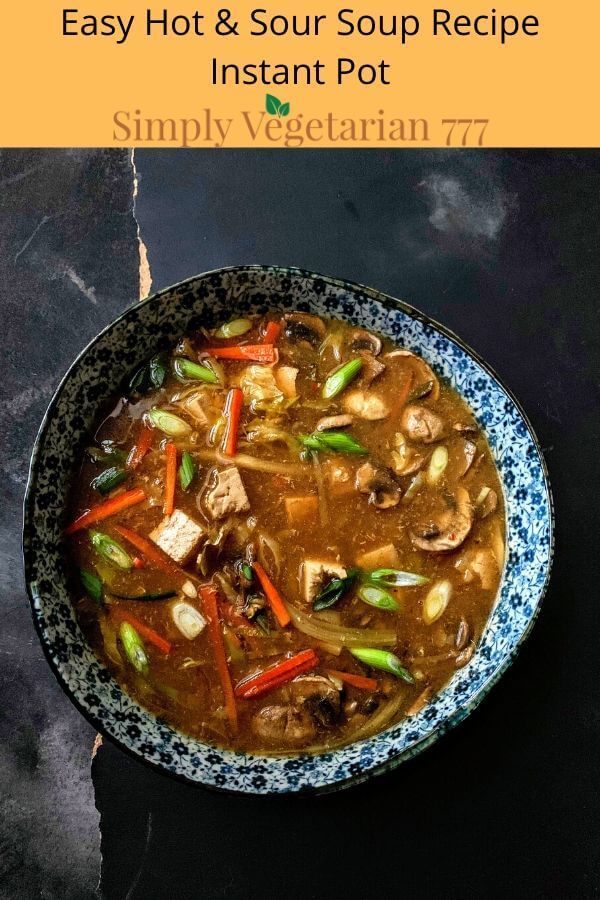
(503,247)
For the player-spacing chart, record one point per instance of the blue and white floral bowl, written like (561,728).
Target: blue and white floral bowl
(96,375)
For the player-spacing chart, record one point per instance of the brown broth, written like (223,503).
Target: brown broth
(339,524)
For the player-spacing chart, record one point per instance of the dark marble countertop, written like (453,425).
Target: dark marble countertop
(503,247)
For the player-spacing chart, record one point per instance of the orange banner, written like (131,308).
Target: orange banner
(245,75)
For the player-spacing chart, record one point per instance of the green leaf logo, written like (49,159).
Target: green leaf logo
(275,107)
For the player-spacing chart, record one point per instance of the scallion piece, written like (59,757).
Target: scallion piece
(108,480)
(169,423)
(382,659)
(332,442)
(395,578)
(334,591)
(235,328)
(110,550)
(157,370)
(187,470)
(341,378)
(188,370)
(159,595)
(377,597)
(106,452)
(92,585)
(134,648)
(247,572)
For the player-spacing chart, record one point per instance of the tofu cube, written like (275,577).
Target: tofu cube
(314,574)
(301,509)
(384,557)
(178,536)
(228,494)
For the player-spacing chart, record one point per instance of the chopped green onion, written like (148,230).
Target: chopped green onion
(235,328)
(247,571)
(186,369)
(341,378)
(334,591)
(108,480)
(395,578)
(382,659)
(332,442)
(169,423)
(160,595)
(187,470)
(134,648)
(436,601)
(109,550)
(376,596)
(92,584)
(262,620)
(437,464)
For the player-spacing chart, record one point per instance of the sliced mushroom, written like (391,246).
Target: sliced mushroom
(469,449)
(405,460)
(465,428)
(371,369)
(328,422)
(379,483)
(486,502)
(421,424)
(364,340)
(451,529)
(320,696)
(424,372)
(304,327)
(284,724)
(366,405)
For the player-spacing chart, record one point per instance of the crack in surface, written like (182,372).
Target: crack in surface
(145,274)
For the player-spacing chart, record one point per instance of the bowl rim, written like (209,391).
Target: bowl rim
(460,712)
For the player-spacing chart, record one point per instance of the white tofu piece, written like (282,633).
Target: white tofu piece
(384,557)
(228,495)
(314,573)
(178,536)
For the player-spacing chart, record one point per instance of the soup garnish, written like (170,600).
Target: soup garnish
(289,533)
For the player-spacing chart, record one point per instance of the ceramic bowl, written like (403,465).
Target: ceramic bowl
(95,376)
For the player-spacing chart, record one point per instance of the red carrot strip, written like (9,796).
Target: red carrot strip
(170,478)
(357,681)
(144,442)
(273,595)
(232,412)
(107,508)
(145,631)
(208,592)
(149,550)
(262,353)
(269,679)
(272,332)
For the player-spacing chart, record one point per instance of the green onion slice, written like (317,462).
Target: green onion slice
(134,648)
(235,328)
(341,378)
(110,550)
(188,370)
(395,578)
(169,423)
(332,442)
(377,597)
(334,591)
(187,470)
(382,659)
(92,585)
(108,480)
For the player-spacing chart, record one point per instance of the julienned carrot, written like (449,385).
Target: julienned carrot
(106,509)
(272,332)
(145,631)
(272,595)
(262,353)
(357,681)
(275,676)
(208,592)
(148,549)
(144,442)
(170,478)
(232,412)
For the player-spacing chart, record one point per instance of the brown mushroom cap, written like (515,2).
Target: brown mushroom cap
(364,340)
(421,424)
(451,530)
(301,326)
(327,422)
(380,484)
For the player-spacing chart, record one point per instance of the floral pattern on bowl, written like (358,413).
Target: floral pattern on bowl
(96,375)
